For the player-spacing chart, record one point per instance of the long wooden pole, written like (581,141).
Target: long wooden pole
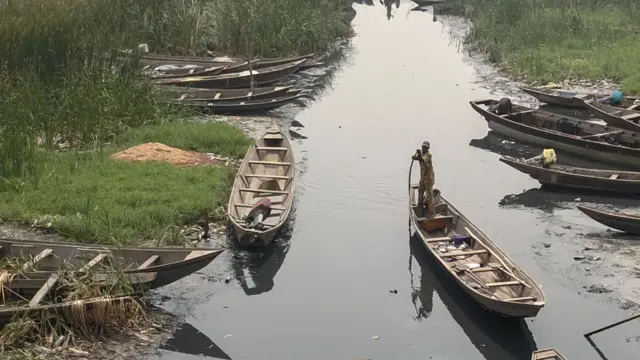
(588,335)
(248,42)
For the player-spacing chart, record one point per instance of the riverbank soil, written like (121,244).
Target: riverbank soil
(544,41)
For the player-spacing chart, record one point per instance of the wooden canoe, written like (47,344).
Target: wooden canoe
(170,263)
(610,181)
(628,223)
(481,269)
(181,93)
(547,354)
(170,73)
(242,79)
(550,130)
(428,2)
(267,171)
(568,98)
(615,116)
(241,106)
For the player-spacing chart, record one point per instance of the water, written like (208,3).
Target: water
(325,291)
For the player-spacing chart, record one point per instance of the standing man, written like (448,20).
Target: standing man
(427,178)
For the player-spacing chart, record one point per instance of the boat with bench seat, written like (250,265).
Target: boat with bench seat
(475,263)
(169,264)
(268,171)
(547,354)
(628,223)
(584,139)
(614,116)
(609,181)
(571,99)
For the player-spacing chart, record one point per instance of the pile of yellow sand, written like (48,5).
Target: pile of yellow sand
(162,152)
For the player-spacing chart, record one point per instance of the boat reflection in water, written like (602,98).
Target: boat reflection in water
(494,336)
(256,269)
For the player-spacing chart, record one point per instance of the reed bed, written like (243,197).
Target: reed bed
(549,40)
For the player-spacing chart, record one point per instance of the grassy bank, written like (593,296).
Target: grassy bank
(68,101)
(549,40)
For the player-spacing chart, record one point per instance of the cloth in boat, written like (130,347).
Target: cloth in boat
(502,107)
(427,180)
(260,211)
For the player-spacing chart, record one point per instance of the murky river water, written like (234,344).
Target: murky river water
(324,291)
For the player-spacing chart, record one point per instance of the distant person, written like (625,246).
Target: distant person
(427,178)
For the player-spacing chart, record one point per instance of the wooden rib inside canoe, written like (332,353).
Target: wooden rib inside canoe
(267,171)
(475,262)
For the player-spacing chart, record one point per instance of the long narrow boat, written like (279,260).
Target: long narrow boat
(428,2)
(166,72)
(200,64)
(581,138)
(266,179)
(242,79)
(241,106)
(568,98)
(475,263)
(628,223)
(615,116)
(610,181)
(547,354)
(170,264)
(181,93)
(206,61)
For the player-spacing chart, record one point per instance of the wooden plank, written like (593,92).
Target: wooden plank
(272,148)
(614,176)
(279,177)
(631,116)
(633,107)
(195,253)
(462,253)
(594,136)
(256,162)
(436,218)
(438,239)
(277,208)
(525,298)
(504,283)
(217,95)
(265,191)
(149,262)
(44,290)
(93,262)
(43,254)
(485,269)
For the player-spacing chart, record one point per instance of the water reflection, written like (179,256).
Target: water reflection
(549,198)
(189,340)
(495,337)
(388,4)
(256,269)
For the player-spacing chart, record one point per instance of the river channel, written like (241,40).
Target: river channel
(345,282)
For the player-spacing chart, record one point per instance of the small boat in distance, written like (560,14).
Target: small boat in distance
(609,181)
(263,191)
(628,223)
(568,98)
(474,262)
(547,354)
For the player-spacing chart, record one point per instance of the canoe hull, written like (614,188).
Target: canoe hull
(242,106)
(619,221)
(607,114)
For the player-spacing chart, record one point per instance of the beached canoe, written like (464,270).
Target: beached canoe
(610,181)
(241,106)
(172,71)
(181,93)
(584,139)
(241,79)
(628,223)
(615,116)
(267,174)
(474,262)
(170,263)
(428,2)
(569,98)
(547,354)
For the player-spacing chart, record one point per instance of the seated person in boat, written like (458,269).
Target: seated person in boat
(427,178)
(502,107)
(546,159)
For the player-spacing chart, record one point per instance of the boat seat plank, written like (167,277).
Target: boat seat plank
(149,262)
(524,298)
(43,254)
(265,191)
(44,290)
(631,116)
(217,95)
(195,253)
(462,253)
(436,218)
(595,136)
(272,148)
(439,239)
(614,176)
(277,208)
(504,283)
(266,176)
(633,107)
(279,163)
(98,258)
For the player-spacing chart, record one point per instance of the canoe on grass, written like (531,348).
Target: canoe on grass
(180,93)
(268,171)
(170,263)
(610,181)
(242,79)
(428,2)
(550,130)
(547,354)
(628,223)
(615,116)
(475,263)
(171,71)
(568,98)
(242,106)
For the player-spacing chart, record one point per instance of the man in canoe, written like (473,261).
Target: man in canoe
(427,178)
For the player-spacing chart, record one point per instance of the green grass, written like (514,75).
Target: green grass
(93,198)
(548,40)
